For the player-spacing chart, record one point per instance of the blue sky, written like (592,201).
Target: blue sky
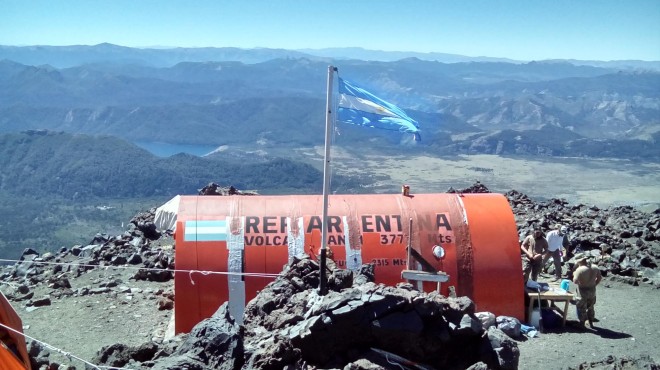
(516,29)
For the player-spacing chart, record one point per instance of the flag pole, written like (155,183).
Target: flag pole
(326,181)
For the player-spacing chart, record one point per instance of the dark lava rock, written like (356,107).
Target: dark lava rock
(618,238)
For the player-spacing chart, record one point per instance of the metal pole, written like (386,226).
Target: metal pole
(409,244)
(326,182)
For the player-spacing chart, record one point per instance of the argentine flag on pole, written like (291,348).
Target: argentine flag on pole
(357,106)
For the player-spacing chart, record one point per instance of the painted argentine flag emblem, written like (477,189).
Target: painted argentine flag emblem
(205,231)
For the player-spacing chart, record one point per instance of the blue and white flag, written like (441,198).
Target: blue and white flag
(357,106)
(205,231)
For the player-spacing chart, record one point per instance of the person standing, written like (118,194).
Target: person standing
(534,246)
(587,277)
(556,241)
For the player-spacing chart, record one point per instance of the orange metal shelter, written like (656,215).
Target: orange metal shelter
(259,234)
(13,350)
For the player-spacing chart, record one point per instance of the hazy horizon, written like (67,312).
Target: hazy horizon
(310,50)
(513,29)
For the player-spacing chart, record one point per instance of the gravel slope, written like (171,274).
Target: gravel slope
(81,325)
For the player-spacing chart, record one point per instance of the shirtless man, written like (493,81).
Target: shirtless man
(534,247)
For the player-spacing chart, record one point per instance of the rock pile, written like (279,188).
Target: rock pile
(357,325)
(624,241)
(134,247)
(477,187)
(215,189)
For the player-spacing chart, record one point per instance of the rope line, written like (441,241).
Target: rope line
(61,351)
(387,358)
(190,272)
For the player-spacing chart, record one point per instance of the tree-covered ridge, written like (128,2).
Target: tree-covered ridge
(56,164)
(59,189)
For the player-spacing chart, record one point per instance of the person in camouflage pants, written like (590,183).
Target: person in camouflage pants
(587,277)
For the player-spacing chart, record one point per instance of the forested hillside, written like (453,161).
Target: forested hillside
(58,188)
(57,164)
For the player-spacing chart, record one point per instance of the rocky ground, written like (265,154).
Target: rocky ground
(116,294)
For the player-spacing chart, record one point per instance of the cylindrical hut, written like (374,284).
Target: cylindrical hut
(260,234)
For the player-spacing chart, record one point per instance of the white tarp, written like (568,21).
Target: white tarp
(166,214)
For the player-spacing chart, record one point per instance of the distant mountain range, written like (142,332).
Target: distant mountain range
(267,98)
(74,55)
